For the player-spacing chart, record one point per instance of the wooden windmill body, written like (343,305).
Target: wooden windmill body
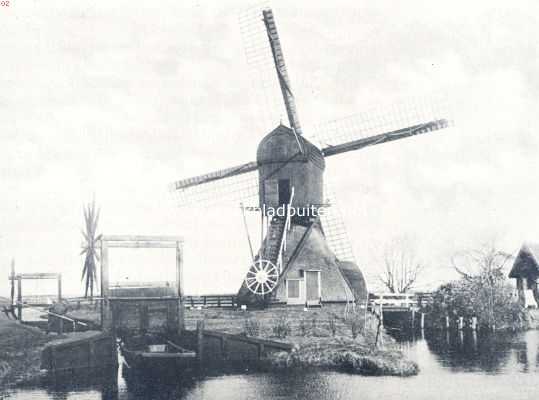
(298,261)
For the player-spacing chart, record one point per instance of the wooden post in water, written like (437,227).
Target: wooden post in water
(422,323)
(474,324)
(106,312)
(179,283)
(447,322)
(59,287)
(200,341)
(19,298)
(413,319)
(461,323)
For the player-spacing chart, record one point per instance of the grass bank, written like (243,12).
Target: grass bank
(20,352)
(322,338)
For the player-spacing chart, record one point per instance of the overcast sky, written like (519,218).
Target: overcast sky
(115,100)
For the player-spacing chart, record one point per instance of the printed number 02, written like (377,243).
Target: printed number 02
(4,3)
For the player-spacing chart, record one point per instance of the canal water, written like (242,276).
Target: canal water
(453,366)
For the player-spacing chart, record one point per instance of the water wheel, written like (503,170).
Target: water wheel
(262,277)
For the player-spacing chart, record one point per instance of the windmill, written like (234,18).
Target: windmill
(303,259)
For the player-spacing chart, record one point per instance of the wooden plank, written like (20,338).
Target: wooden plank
(38,275)
(142,244)
(141,238)
(179,268)
(190,354)
(106,312)
(163,298)
(59,287)
(19,299)
(257,341)
(200,340)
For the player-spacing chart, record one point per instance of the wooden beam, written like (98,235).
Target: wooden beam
(141,238)
(141,298)
(106,312)
(19,299)
(142,245)
(37,275)
(179,268)
(59,287)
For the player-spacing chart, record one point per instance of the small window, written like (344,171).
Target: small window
(293,288)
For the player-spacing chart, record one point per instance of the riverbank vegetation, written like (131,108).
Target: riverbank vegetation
(323,338)
(20,352)
(483,291)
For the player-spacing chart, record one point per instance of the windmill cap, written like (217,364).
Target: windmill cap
(280,145)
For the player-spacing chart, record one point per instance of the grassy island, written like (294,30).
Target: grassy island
(322,338)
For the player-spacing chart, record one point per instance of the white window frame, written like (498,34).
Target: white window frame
(301,298)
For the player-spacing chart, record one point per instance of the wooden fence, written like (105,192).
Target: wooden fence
(220,346)
(211,301)
(400,301)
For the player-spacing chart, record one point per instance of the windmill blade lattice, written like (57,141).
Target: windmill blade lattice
(261,66)
(231,184)
(335,229)
(232,189)
(429,113)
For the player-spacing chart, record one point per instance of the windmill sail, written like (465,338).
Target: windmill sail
(282,73)
(386,137)
(383,124)
(265,93)
(235,183)
(335,229)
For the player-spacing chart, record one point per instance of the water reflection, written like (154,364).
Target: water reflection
(454,365)
(468,351)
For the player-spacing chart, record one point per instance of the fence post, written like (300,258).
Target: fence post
(260,350)
(224,351)
(19,298)
(474,323)
(200,341)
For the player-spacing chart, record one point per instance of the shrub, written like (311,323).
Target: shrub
(281,327)
(251,327)
(355,327)
(303,327)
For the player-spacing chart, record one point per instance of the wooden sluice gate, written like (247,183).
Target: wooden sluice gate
(214,346)
(88,350)
(148,323)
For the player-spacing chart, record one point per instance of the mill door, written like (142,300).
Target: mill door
(312,281)
(284,191)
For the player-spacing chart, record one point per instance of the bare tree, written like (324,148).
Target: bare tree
(485,262)
(401,267)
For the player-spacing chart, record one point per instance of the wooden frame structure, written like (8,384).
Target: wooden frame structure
(136,241)
(33,276)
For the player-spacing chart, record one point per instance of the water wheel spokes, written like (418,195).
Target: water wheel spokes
(262,277)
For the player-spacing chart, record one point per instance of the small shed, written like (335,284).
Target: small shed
(526,271)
